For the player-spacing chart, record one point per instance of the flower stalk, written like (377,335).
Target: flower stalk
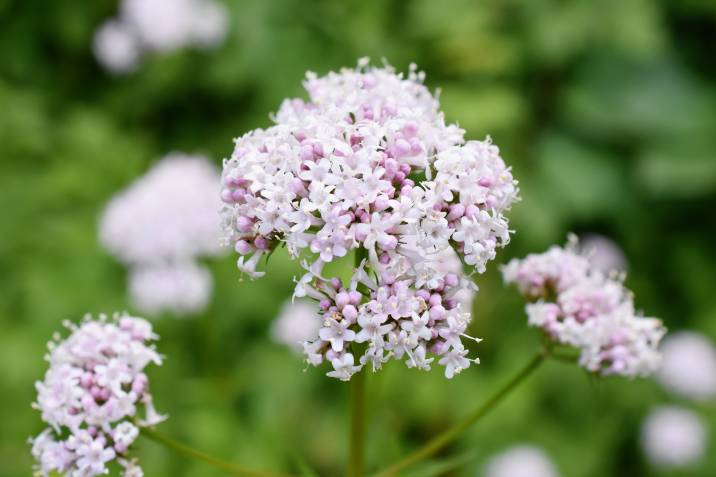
(355,461)
(449,435)
(357,425)
(191,453)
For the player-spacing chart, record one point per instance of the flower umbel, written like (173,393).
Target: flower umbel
(91,396)
(577,305)
(369,165)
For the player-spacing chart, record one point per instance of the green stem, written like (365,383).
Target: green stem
(355,461)
(357,428)
(449,435)
(186,451)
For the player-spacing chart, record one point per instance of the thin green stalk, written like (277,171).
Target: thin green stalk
(355,461)
(357,427)
(186,451)
(449,435)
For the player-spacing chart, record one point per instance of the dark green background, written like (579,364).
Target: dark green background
(605,109)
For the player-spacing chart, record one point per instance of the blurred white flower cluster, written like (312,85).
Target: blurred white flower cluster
(521,461)
(603,253)
(369,165)
(296,323)
(159,226)
(689,365)
(673,437)
(578,305)
(91,396)
(144,26)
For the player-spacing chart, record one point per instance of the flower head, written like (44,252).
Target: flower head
(368,165)
(92,393)
(577,305)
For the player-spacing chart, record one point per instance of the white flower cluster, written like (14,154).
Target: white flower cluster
(689,365)
(159,225)
(369,165)
(579,306)
(521,461)
(673,437)
(158,26)
(178,287)
(91,394)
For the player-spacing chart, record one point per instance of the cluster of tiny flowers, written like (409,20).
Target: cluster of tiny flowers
(159,225)
(91,394)
(673,437)
(158,26)
(369,165)
(521,461)
(577,305)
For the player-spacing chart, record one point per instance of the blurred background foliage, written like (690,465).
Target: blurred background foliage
(605,109)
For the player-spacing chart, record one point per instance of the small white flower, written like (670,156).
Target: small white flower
(689,365)
(454,361)
(343,367)
(673,437)
(337,333)
(521,461)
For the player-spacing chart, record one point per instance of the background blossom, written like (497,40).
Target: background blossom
(91,396)
(575,304)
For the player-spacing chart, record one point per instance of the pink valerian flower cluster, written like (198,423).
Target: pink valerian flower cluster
(577,305)
(91,396)
(368,165)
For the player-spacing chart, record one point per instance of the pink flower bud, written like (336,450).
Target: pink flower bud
(401,148)
(355,297)
(350,312)
(306,152)
(261,243)
(243,247)
(227,196)
(424,294)
(437,312)
(455,212)
(391,166)
(451,280)
(342,299)
(410,128)
(244,224)
(471,211)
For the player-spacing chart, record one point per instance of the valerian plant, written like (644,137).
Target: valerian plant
(365,169)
